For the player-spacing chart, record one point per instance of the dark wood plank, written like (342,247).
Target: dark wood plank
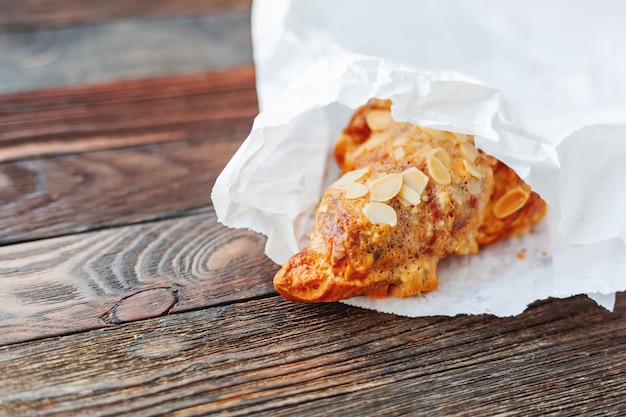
(91,280)
(122,49)
(277,358)
(19,13)
(48,197)
(188,128)
(127,113)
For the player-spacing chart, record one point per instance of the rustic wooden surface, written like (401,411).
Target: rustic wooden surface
(120,294)
(20,14)
(110,49)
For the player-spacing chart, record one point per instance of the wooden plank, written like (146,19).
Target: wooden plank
(273,357)
(19,13)
(91,280)
(189,127)
(127,113)
(48,197)
(122,49)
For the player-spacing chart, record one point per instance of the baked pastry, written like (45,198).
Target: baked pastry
(409,196)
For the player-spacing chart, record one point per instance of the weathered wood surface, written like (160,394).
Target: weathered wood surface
(121,295)
(20,13)
(70,194)
(121,49)
(91,280)
(188,126)
(127,113)
(282,359)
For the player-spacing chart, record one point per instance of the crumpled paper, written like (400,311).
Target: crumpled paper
(538,95)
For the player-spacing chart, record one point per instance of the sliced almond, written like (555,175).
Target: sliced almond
(323,208)
(474,187)
(380,213)
(378,120)
(443,156)
(410,195)
(436,134)
(353,189)
(400,140)
(438,170)
(376,139)
(472,169)
(469,151)
(510,202)
(398,153)
(415,179)
(352,176)
(385,188)
(461,137)
(427,150)
(404,202)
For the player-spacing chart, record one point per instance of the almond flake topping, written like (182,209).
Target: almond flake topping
(376,139)
(438,171)
(461,137)
(353,189)
(471,168)
(398,153)
(437,134)
(415,179)
(400,140)
(405,203)
(469,151)
(385,188)
(378,120)
(510,202)
(474,187)
(352,176)
(409,195)
(380,213)
(443,156)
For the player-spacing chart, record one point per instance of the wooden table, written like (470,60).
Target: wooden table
(120,294)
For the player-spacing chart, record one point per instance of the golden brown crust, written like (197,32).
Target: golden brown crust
(371,239)
(519,222)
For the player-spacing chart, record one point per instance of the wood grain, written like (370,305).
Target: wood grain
(127,113)
(125,297)
(91,280)
(19,13)
(272,357)
(122,49)
(48,197)
(163,142)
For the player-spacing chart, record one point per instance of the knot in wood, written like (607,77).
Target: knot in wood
(142,305)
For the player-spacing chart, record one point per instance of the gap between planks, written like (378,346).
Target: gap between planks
(126,113)
(47,197)
(153,150)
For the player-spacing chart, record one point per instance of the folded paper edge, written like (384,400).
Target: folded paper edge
(486,141)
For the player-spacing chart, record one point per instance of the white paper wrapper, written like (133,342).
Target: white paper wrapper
(538,93)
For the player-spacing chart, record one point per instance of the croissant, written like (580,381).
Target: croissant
(408,197)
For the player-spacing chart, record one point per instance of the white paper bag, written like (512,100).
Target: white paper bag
(538,92)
